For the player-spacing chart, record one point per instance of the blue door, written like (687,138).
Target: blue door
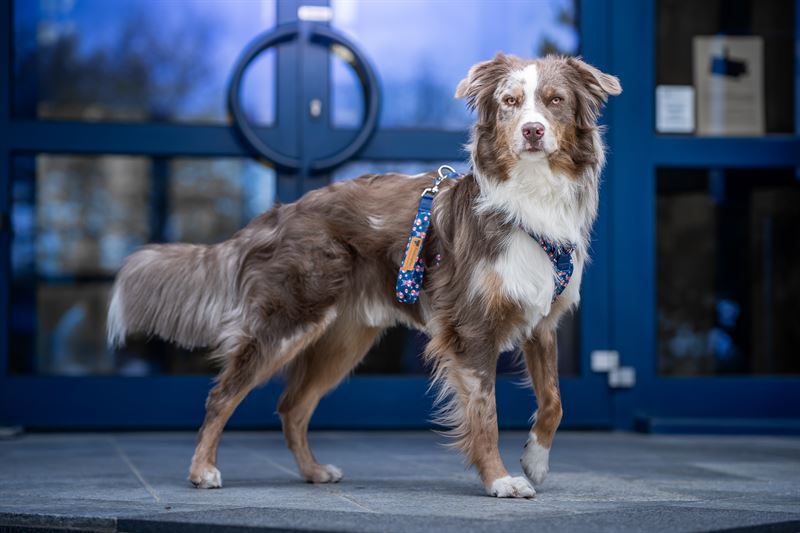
(705,221)
(113,138)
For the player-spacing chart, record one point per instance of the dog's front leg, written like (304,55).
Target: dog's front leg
(469,383)
(542,363)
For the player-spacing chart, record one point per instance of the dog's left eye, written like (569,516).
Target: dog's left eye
(556,100)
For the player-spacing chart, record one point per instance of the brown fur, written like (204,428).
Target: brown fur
(542,363)
(308,286)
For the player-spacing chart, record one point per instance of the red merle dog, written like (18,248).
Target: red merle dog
(308,287)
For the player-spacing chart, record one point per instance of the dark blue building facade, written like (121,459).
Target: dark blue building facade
(117,128)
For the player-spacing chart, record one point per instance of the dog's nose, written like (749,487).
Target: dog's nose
(533,131)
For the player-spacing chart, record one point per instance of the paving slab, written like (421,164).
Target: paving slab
(397,481)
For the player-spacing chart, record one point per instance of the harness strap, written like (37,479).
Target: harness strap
(561,257)
(412,269)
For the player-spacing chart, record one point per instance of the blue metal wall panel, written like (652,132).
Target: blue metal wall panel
(178,402)
(595,295)
(754,152)
(631,197)
(213,141)
(5,183)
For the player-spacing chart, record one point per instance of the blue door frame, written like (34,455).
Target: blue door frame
(716,404)
(177,401)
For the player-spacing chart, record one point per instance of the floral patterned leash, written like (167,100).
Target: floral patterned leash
(412,269)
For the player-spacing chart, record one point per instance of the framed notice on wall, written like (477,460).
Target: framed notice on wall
(729,81)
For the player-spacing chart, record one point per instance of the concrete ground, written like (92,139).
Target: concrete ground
(398,481)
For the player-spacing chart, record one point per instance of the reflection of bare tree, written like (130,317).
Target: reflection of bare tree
(144,74)
(565,21)
(428,107)
(93,211)
(548,46)
(90,212)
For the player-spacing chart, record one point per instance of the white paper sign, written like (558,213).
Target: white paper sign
(729,79)
(675,109)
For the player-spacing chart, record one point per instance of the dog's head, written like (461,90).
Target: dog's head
(544,109)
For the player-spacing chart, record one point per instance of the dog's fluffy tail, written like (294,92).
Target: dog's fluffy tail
(179,292)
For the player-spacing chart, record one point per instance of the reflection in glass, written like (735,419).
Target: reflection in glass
(440,41)
(137,60)
(400,350)
(728,271)
(75,220)
(681,23)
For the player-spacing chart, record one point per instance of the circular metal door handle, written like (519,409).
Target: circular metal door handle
(322,36)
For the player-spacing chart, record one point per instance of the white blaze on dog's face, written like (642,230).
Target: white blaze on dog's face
(535,109)
(529,111)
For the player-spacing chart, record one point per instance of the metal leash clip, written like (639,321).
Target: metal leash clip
(445,171)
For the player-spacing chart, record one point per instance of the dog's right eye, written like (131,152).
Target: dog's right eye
(510,100)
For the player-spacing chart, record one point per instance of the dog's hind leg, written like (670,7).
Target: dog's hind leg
(541,360)
(235,381)
(320,368)
(247,363)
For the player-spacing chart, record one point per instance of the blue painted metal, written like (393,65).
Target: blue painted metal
(216,141)
(595,324)
(754,152)
(720,426)
(178,402)
(283,34)
(6,24)
(365,72)
(288,59)
(629,193)
(305,34)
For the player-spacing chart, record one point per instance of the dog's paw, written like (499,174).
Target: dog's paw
(535,461)
(323,474)
(511,487)
(206,478)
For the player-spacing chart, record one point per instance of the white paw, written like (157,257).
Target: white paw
(324,474)
(207,478)
(535,460)
(511,487)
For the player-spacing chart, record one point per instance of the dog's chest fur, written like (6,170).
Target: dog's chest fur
(532,200)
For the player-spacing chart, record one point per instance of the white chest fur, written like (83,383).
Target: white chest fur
(526,272)
(536,200)
(527,275)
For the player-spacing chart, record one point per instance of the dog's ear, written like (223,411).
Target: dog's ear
(592,90)
(600,84)
(479,85)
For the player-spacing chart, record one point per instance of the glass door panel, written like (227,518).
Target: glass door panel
(737,58)
(440,42)
(76,218)
(136,61)
(727,273)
